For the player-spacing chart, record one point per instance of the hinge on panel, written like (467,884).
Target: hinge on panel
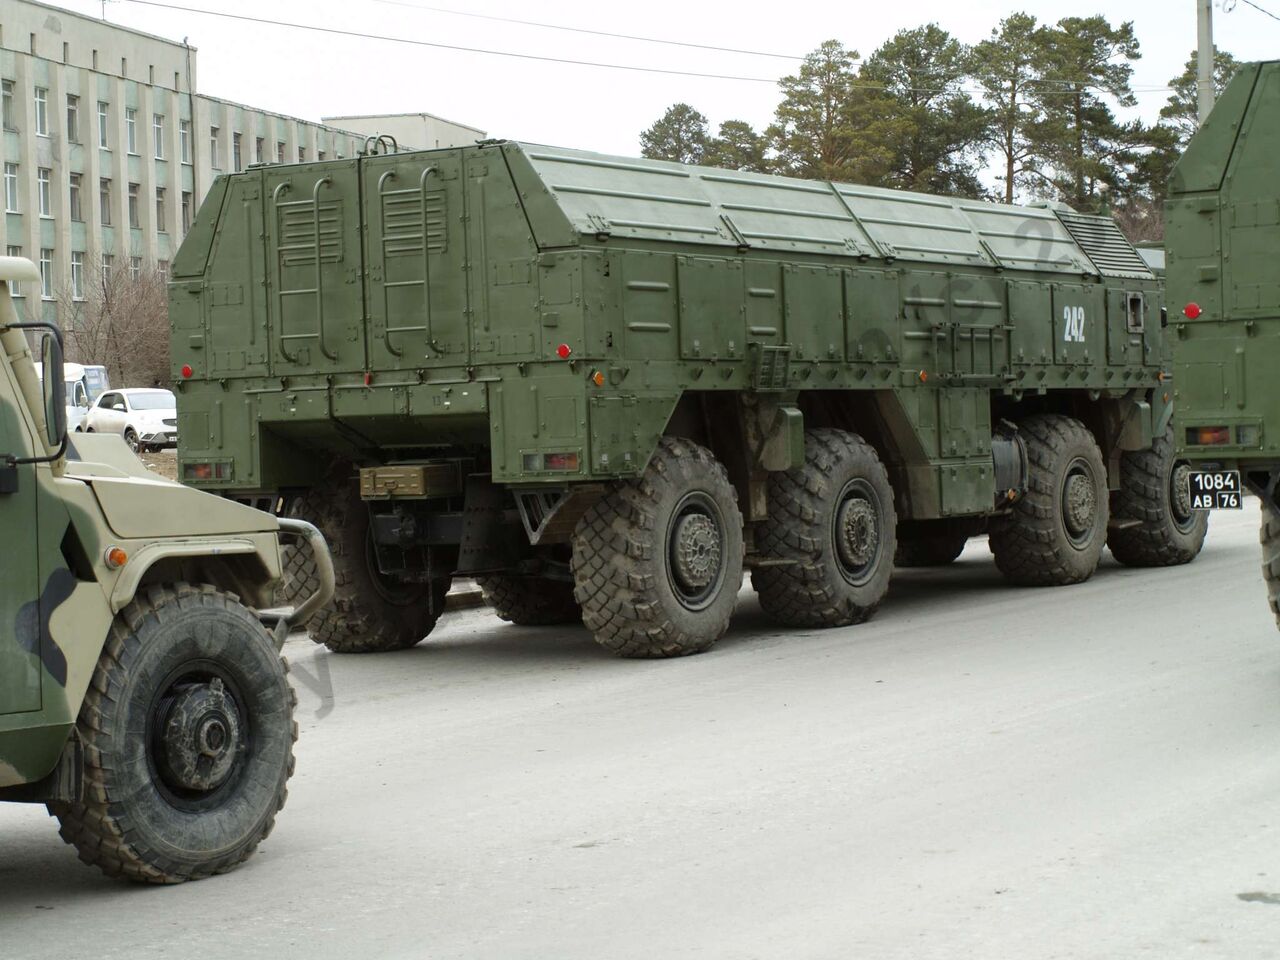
(600,225)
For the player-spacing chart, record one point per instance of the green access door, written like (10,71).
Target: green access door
(20,587)
(415,287)
(314,268)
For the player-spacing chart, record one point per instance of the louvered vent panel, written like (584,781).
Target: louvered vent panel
(1106,246)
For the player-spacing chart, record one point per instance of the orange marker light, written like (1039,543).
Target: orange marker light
(116,558)
(924,375)
(598,378)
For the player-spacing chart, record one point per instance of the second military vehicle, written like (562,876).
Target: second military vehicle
(1223,244)
(140,699)
(603,386)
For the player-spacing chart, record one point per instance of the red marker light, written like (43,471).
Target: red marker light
(187,371)
(368,379)
(563,351)
(1191,311)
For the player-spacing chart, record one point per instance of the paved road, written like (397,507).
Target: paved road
(981,772)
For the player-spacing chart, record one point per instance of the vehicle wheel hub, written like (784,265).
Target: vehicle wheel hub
(857,533)
(697,551)
(1080,504)
(202,738)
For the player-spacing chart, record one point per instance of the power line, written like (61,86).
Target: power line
(1250,3)
(445,46)
(596,33)
(864,85)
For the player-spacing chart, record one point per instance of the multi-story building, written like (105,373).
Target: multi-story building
(418,131)
(108,149)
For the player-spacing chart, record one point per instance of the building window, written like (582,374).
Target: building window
(73,119)
(157,133)
(43,192)
(302,154)
(15,288)
(236,165)
(108,264)
(186,211)
(215,160)
(131,129)
(320,155)
(162,268)
(103,124)
(11,187)
(160,221)
(77,275)
(133,206)
(46,273)
(184,140)
(135,269)
(6,100)
(42,111)
(259,145)
(74,196)
(104,201)
(280,151)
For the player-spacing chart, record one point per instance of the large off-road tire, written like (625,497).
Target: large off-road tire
(188,737)
(531,601)
(657,562)
(833,527)
(369,612)
(1270,537)
(1154,492)
(1054,535)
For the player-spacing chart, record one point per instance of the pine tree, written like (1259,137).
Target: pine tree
(680,134)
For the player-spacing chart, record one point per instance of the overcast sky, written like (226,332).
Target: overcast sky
(310,75)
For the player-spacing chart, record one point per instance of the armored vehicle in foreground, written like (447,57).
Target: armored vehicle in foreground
(139,698)
(1222,239)
(604,386)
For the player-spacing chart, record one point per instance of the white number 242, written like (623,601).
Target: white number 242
(1073,324)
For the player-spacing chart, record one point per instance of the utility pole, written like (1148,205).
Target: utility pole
(1204,58)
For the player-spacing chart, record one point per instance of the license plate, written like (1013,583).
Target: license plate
(1215,490)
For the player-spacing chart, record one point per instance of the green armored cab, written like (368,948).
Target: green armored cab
(1223,245)
(604,386)
(140,699)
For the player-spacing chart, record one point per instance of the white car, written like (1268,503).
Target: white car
(147,419)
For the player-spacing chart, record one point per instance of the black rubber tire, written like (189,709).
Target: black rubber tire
(131,440)
(127,824)
(1270,539)
(1032,544)
(1146,494)
(814,589)
(929,551)
(299,578)
(623,574)
(531,601)
(367,614)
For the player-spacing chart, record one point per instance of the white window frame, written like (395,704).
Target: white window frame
(15,288)
(46,273)
(161,224)
(42,111)
(77,275)
(73,118)
(157,134)
(6,104)
(75,197)
(215,154)
(132,195)
(11,192)
(131,131)
(135,269)
(104,125)
(44,191)
(184,140)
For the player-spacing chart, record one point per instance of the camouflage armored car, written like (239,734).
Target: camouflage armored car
(1223,245)
(603,386)
(139,698)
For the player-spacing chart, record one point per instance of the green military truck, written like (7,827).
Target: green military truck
(139,699)
(603,386)
(1222,240)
